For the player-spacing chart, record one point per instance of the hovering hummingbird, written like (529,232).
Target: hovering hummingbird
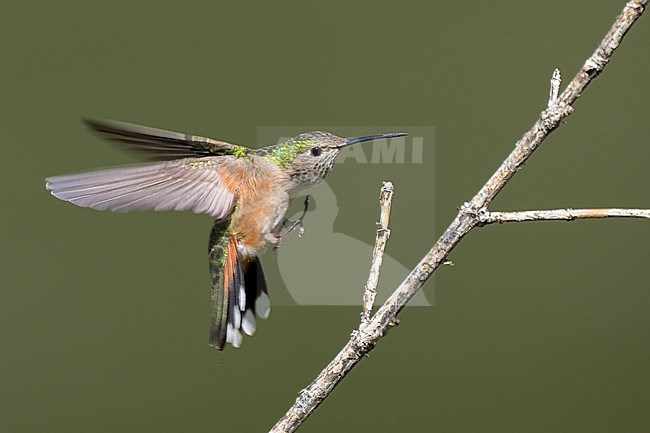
(246,191)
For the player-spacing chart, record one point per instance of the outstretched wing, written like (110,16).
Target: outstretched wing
(157,144)
(186,184)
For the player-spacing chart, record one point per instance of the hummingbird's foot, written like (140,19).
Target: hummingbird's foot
(300,222)
(288,226)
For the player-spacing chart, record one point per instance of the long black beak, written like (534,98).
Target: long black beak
(355,140)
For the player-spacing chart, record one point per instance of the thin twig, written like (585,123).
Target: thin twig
(560,214)
(554,91)
(383,233)
(367,336)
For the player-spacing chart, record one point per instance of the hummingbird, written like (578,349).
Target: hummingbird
(246,191)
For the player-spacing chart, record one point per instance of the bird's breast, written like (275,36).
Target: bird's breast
(262,201)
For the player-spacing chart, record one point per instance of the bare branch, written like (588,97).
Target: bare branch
(368,334)
(383,233)
(560,214)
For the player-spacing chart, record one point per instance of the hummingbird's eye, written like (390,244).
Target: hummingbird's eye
(316,151)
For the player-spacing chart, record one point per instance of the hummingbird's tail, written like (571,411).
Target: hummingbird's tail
(239,291)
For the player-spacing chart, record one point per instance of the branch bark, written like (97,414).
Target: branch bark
(383,233)
(366,337)
(560,214)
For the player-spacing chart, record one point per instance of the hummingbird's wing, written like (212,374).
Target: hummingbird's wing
(186,184)
(157,144)
(239,291)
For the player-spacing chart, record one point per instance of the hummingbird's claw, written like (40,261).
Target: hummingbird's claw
(301,220)
(288,226)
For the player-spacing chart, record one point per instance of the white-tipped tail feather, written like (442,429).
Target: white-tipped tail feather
(248,323)
(233,336)
(263,305)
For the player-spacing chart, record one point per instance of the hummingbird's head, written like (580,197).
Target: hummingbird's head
(309,157)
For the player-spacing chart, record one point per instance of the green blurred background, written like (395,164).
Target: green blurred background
(538,327)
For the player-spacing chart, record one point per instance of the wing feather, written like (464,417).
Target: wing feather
(186,184)
(157,144)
